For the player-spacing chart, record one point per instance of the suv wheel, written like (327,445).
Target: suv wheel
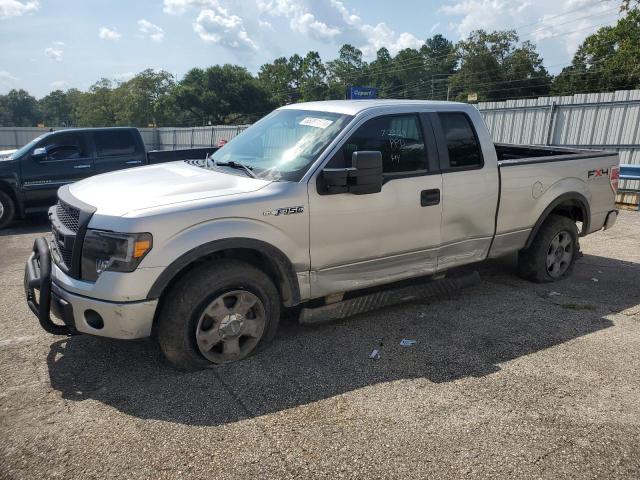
(220,312)
(552,253)
(7,209)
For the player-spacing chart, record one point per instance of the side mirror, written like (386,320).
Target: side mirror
(39,153)
(364,176)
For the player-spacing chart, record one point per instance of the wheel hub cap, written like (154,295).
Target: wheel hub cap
(559,254)
(231,326)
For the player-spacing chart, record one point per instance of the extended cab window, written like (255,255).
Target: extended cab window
(463,147)
(397,137)
(65,147)
(114,142)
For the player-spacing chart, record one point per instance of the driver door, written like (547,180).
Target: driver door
(357,241)
(68,158)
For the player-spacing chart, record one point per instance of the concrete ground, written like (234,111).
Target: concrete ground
(508,379)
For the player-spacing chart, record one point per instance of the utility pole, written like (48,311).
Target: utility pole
(439,80)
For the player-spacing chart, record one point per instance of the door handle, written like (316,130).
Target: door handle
(82,166)
(133,162)
(430,197)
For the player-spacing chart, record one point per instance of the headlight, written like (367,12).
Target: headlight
(115,252)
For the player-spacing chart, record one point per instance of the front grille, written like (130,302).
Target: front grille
(66,254)
(68,216)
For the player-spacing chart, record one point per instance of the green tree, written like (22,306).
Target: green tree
(141,98)
(495,67)
(99,106)
(313,78)
(19,109)
(277,78)
(348,69)
(607,60)
(222,94)
(57,109)
(440,61)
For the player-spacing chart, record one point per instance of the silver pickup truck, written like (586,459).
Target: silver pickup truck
(313,201)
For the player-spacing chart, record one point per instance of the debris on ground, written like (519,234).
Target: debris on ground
(594,279)
(375,355)
(554,294)
(405,342)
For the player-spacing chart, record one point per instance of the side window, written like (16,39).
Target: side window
(397,137)
(65,147)
(464,151)
(114,142)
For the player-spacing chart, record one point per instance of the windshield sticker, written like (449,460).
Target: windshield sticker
(316,122)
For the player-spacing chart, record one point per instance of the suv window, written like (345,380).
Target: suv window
(464,151)
(397,137)
(114,142)
(65,147)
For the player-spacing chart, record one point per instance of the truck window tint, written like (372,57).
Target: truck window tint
(65,147)
(398,138)
(112,143)
(464,151)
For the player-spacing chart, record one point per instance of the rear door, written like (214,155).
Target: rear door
(68,159)
(117,149)
(470,190)
(358,241)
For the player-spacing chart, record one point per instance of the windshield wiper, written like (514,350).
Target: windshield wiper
(241,166)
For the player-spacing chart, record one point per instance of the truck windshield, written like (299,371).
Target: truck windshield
(22,150)
(284,144)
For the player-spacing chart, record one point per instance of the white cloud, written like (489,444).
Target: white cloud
(434,27)
(570,21)
(7,77)
(307,24)
(148,29)
(215,23)
(331,21)
(59,84)
(123,77)
(106,33)
(55,51)
(219,26)
(15,8)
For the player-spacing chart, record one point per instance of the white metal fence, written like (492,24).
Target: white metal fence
(600,121)
(154,138)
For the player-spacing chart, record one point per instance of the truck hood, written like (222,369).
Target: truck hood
(5,154)
(125,191)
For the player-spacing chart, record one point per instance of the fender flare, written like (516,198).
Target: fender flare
(571,198)
(10,189)
(275,257)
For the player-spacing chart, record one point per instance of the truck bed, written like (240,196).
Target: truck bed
(533,177)
(509,154)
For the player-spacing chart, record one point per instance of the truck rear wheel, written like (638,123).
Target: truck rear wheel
(552,253)
(7,209)
(220,312)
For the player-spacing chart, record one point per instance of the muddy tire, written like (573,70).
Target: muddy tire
(7,209)
(220,312)
(552,254)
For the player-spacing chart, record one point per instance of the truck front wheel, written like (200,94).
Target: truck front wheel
(7,209)
(552,253)
(220,312)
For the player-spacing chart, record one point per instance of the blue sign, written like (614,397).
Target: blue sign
(361,93)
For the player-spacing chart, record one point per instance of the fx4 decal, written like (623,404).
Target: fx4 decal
(283,211)
(598,172)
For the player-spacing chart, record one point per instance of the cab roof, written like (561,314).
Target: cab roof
(353,107)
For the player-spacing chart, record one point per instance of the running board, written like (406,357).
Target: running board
(385,298)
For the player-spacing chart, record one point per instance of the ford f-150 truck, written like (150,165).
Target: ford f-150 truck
(313,201)
(30,176)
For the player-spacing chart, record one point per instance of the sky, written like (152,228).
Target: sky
(60,44)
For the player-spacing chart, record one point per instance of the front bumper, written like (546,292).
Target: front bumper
(80,314)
